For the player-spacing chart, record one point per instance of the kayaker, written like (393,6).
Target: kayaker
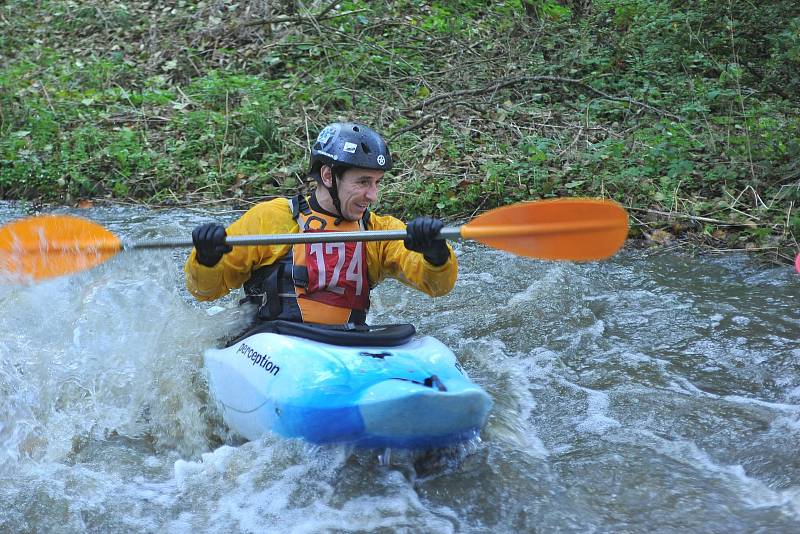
(323,283)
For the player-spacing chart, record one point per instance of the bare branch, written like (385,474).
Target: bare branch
(537,79)
(327,9)
(303,19)
(695,218)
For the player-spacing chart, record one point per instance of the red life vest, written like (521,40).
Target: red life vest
(337,281)
(323,283)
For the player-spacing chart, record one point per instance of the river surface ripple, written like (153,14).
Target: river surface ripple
(653,392)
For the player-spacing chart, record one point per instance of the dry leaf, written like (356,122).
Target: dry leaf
(659,237)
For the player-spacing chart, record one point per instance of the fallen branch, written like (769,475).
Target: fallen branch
(425,119)
(307,19)
(696,218)
(122,119)
(535,79)
(327,9)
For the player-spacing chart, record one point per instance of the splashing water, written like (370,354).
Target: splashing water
(650,392)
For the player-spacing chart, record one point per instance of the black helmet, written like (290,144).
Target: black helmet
(350,145)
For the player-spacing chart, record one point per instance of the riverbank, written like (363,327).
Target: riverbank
(683,114)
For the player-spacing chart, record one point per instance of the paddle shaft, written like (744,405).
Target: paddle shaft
(448,232)
(291,239)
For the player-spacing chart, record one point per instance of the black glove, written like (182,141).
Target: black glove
(422,233)
(209,241)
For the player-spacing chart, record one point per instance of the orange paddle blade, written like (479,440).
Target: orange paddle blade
(579,229)
(53,245)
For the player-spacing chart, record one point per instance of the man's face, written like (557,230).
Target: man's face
(358,189)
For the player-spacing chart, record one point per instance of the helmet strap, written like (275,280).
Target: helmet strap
(333,190)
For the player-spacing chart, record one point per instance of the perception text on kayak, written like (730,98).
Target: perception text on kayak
(262,360)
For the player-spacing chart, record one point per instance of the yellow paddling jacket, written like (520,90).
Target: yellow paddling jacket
(315,283)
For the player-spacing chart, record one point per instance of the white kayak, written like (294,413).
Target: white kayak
(378,388)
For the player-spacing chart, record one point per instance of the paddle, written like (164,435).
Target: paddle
(562,229)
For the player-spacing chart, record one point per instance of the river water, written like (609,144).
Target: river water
(654,392)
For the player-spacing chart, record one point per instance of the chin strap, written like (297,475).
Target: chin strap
(333,190)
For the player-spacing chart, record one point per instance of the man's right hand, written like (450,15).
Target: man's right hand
(209,242)
(423,237)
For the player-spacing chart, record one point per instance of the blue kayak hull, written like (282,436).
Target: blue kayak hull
(412,396)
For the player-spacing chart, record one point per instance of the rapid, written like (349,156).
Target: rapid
(653,392)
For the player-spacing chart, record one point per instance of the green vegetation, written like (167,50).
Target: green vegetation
(685,111)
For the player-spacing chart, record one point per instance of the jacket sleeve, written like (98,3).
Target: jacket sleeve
(234,269)
(392,259)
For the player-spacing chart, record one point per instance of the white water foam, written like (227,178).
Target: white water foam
(512,382)
(596,419)
(97,354)
(281,484)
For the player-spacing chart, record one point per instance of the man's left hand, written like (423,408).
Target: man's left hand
(422,237)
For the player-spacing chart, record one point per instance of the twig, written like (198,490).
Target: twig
(327,9)
(534,79)
(460,68)
(744,214)
(225,134)
(47,97)
(188,100)
(301,18)
(754,249)
(314,20)
(419,123)
(696,218)
(100,14)
(123,119)
(574,141)
(396,57)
